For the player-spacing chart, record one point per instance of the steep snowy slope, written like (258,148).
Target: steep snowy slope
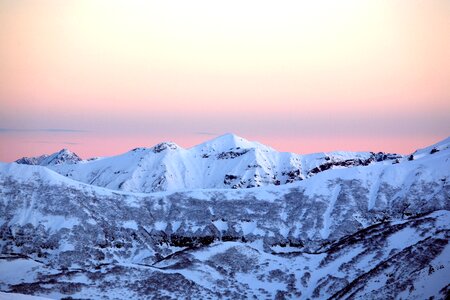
(228,161)
(440,146)
(367,232)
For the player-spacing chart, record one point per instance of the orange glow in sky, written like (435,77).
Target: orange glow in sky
(300,76)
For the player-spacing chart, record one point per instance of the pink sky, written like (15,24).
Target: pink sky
(300,76)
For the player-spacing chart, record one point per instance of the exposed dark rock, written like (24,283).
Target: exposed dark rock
(231,154)
(164,146)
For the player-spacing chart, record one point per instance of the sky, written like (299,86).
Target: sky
(102,77)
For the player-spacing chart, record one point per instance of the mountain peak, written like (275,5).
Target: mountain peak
(35,160)
(62,156)
(229,141)
(164,146)
(64,151)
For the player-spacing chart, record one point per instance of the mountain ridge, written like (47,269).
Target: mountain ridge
(228,161)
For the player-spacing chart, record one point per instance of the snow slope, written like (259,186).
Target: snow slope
(15,296)
(228,161)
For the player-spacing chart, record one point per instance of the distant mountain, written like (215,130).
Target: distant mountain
(379,231)
(62,157)
(228,161)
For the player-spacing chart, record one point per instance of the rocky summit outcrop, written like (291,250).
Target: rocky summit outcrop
(366,232)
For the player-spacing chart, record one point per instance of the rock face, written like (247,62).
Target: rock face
(168,167)
(367,232)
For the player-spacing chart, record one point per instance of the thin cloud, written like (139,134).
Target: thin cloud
(51,142)
(61,130)
(6,130)
(206,133)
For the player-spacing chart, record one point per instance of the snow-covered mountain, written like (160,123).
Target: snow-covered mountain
(228,161)
(366,232)
(61,157)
